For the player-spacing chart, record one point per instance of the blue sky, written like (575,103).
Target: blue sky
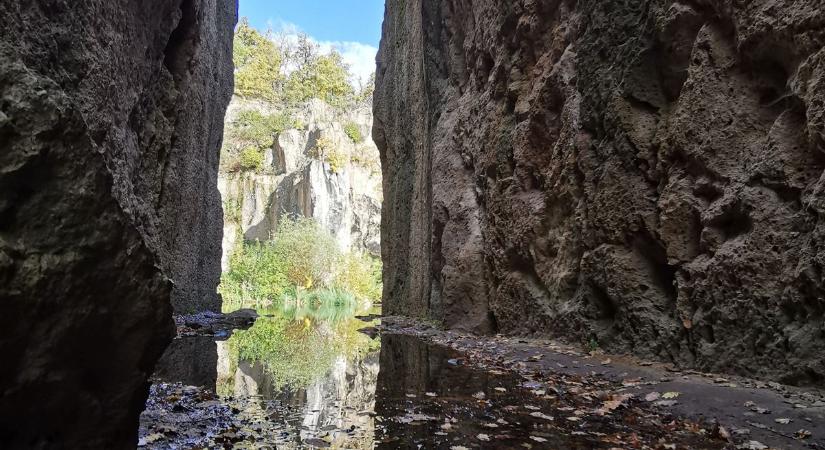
(353,27)
(325,20)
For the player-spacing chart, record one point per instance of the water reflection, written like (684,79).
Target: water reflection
(304,377)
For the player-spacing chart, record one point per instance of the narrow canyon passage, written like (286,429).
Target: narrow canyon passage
(412,224)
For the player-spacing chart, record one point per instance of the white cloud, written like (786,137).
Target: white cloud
(359,56)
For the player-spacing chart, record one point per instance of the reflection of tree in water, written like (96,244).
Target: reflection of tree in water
(313,362)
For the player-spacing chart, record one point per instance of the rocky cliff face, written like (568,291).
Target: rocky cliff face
(344,197)
(110,126)
(644,175)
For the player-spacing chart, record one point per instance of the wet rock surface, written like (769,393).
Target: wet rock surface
(110,126)
(645,175)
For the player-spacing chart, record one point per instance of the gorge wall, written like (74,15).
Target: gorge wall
(344,196)
(110,127)
(642,175)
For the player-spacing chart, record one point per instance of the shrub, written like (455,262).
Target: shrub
(254,128)
(232,211)
(326,151)
(360,275)
(251,158)
(301,257)
(353,131)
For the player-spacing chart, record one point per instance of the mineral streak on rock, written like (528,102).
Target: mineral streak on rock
(645,175)
(110,125)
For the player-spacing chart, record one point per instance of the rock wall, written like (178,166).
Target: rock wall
(295,181)
(110,128)
(642,175)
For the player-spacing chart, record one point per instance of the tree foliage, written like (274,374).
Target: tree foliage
(290,71)
(257,63)
(322,76)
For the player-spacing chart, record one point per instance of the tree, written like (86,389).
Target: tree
(325,77)
(366,91)
(257,63)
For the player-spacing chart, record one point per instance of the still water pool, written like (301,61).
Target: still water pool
(305,377)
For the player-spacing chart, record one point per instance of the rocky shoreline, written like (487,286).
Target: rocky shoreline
(743,412)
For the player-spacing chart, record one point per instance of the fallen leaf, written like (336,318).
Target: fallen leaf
(609,405)
(670,395)
(666,403)
(802,434)
(653,396)
(752,445)
(783,420)
(607,361)
(541,415)
(538,439)
(483,437)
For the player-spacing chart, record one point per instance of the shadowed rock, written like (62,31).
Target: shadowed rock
(110,125)
(642,175)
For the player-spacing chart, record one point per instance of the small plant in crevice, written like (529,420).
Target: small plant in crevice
(353,132)
(249,135)
(325,150)
(251,158)
(232,211)
(593,345)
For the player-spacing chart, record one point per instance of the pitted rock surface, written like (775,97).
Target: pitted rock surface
(110,126)
(643,175)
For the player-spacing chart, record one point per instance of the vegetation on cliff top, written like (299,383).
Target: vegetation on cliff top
(291,72)
(284,73)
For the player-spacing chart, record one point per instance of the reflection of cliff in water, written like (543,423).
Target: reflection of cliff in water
(190,360)
(340,400)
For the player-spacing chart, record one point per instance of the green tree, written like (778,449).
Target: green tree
(367,90)
(257,63)
(325,77)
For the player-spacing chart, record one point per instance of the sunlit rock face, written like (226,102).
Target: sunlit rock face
(643,175)
(110,126)
(345,200)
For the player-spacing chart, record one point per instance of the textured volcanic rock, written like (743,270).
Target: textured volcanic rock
(110,125)
(644,175)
